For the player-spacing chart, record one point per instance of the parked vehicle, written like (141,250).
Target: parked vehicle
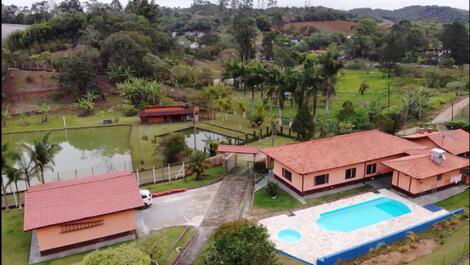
(146,198)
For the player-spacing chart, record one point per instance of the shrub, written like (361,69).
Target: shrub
(241,243)
(122,255)
(128,109)
(173,147)
(272,189)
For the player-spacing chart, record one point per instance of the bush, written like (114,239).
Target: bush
(453,125)
(241,243)
(173,147)
(272,189)
(122,255)
(129,109)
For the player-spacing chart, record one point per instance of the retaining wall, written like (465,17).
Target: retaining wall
(359,250)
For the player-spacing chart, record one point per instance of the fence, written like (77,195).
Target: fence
(354,252)
(163,173)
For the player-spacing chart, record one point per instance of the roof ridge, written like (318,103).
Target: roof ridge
(90,179)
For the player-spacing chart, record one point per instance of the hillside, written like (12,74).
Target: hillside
(341,26)
(441,14)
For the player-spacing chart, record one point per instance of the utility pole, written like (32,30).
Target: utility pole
(452,111)
(388,96)
(194,127)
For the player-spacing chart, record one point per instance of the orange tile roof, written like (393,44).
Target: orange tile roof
(224,148)
(337,151)
(167,110)
(421,166)
(454,141)
(71,200)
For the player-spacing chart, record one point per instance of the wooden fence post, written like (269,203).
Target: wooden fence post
(153,170)
(138,177)
(169,173)
(92,172)
(58,176)
(76,175)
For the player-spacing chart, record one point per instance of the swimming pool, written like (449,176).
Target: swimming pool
(361,215)
(289,236)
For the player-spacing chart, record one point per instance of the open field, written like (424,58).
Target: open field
(340,26)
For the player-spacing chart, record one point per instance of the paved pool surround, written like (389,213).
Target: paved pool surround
(317,242)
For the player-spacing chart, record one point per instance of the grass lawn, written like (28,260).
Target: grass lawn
(212,174)
(15,242)
(278,140)
(338,195)
(283,202)
(461,200)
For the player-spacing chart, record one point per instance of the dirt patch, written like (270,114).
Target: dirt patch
(341,26)
(25,91)
(404,255)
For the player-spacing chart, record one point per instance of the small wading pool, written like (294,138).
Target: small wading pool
(361,215)
(289,236)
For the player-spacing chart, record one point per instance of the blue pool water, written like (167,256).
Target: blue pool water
(289,235)
(361,215)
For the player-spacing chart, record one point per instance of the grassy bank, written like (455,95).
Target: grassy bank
(283,202)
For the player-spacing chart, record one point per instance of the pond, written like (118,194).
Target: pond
(203,138)
(83,151)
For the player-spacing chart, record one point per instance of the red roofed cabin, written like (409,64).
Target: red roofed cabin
(328,163)
(161,114)
(73,213)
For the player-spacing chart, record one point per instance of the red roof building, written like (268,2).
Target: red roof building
(162,114)
(82,211)
(332,162)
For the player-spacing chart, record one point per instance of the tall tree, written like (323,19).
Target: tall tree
(42,153)
(116,5)
(70,6)
(27,168)
(144,8)
(244,31)
(303,124)
(78,76)
(455,38)
(330,68)
(13,176)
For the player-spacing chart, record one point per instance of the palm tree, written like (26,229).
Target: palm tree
(42,154)
(311,81)
(198,164)
(330,68)
(255,76)
(7,156)
(27,168)
(14,175)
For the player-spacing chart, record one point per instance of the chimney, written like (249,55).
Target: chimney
(437,156)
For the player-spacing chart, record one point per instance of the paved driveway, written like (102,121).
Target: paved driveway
(185,208)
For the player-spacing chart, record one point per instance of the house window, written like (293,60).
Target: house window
(439,177)
(350,173)
(287,174)
(321,179)
(371,168)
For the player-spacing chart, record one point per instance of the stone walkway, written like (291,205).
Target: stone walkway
(225,207)
(438,196)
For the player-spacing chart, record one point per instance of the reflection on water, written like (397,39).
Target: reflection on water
(203,138)
(83,151)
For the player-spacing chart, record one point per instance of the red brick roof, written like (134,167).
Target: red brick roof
(167,110)
(338,151)
(71,200)
(223,148)
(421,166)
(453,141)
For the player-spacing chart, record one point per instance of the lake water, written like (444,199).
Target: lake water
(103,149)
(203,138)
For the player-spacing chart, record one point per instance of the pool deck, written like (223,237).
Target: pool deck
(317,242)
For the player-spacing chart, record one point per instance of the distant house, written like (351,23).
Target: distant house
(73,213)
(162,114)
(333,162)
(194,45)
